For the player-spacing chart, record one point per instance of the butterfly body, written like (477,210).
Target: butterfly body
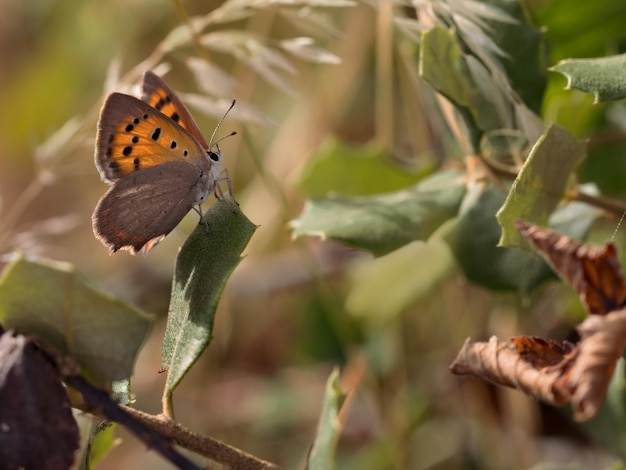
(158,163)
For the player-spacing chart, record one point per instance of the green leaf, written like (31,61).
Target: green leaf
(353,170)
(575,219)
(120,392)
(473,238)
(580,28)
(442,64)
(54,301)
(203,266)
(483,62)
(384,222)
(322,453)
(541,184)
(100,442)
(101,433)
(523,45)
(605,77)
(387,286)
(606,167)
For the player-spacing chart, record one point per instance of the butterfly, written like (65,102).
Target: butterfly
(159,165)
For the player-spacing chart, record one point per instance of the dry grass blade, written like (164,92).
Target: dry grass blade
(210,78)
(304,48)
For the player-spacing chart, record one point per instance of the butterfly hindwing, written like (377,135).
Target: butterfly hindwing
(160,96)
(141,208)
(133,136)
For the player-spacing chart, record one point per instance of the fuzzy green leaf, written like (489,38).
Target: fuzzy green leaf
(473,238)
(54,301)
(467,58)
(454,75)
(322,454)
(541,184)
(353,170)
(384,222)
(522,43)
(203,266)
(441,64)
(387,286)
(100,442)
(605,77)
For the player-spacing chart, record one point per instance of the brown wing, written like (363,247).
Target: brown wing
(140,209)
(133,136)
(160,96)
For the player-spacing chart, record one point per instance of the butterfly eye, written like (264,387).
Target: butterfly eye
(214,156)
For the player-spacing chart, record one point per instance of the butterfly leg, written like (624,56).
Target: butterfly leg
(198,209)
(219,194)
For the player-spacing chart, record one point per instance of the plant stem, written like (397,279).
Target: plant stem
(200,444)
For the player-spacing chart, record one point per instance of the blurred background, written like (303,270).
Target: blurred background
(284,320)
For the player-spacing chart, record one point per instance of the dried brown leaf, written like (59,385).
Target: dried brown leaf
(552,372)
(542,353)
(562,373)
(593,271)
(38,429)
(500,363)
(602,344)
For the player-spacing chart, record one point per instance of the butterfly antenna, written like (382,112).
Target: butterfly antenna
(224,137)
(219,124)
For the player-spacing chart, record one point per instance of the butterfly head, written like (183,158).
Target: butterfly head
(210,174)
(216,158)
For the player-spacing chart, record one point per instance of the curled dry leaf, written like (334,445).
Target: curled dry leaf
(500,362)
(593,271)
(562,373)
(602,342)
(541,353)
(38,428)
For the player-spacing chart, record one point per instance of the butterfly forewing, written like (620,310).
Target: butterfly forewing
(133,136)
(142,208)
(160,96)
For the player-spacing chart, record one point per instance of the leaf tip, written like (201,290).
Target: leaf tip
(459,364)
